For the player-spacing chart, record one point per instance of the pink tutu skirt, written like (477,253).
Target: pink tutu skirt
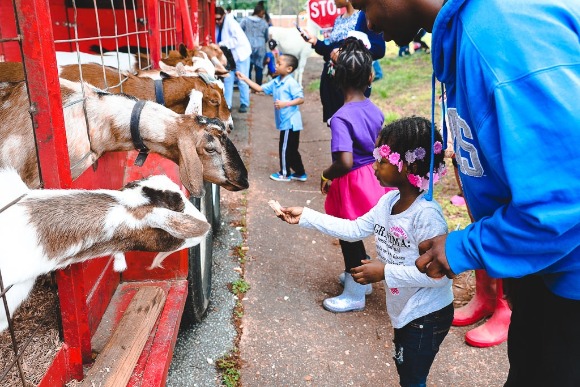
(354,194)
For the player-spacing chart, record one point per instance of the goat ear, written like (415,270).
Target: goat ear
(179,224)
(180,69)
(190,166)
(165,67)
(183,50)
(164,75)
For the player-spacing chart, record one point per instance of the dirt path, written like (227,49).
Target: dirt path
(288,338)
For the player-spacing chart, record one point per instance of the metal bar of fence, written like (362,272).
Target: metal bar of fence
(12,334)
(101,37)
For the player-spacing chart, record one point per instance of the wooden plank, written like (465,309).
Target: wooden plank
(153,365)
(115,364)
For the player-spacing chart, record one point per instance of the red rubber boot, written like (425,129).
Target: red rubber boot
(495,330)
(481,305)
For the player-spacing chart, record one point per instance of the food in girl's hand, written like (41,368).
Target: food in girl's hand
(276,207)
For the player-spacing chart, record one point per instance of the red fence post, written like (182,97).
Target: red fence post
(47,116)
(188,30)
(152,13)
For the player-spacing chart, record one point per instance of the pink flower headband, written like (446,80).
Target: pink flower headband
(384,151)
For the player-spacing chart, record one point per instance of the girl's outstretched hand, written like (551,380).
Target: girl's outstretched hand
(291,215)
(368,272)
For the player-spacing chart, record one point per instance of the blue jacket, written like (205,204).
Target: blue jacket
(286,89)
(512,74)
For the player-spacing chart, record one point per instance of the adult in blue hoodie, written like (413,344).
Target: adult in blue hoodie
(511,69)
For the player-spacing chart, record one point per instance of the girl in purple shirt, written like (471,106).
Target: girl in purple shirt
(349,182)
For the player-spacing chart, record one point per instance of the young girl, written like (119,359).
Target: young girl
(420,308)
(349,181)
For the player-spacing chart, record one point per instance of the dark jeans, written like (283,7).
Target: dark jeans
(259,73)
(544,336)
(353,253)
(417,343)
(290,159)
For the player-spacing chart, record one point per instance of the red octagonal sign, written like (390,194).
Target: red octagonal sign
(323,12)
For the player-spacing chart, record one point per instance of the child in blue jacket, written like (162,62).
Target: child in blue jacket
(288,94)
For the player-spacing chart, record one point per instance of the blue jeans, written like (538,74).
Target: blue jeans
(378,70)
(259,73)
(244,68)
(417,343)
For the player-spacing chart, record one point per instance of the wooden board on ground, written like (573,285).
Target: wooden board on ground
(116,362)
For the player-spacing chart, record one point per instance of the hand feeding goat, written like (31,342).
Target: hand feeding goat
(48,230)
(290,42)
(199,145)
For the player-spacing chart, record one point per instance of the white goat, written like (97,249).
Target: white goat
(199,145)
(48,230)
(290,42)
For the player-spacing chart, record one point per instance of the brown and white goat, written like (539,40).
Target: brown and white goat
(183,95)
(48,230)
(120,60)
(199,145)
(211,52)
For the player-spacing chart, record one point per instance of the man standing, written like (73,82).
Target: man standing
(514,117)
(229,33)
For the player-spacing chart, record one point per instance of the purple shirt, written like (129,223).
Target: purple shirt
(355,128)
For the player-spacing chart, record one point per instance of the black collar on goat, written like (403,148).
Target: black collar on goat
(136,136)
(199,145)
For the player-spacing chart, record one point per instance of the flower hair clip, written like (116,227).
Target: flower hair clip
(419,153)
(423,182)
(394,158)
(384,151)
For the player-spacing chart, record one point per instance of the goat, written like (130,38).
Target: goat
(183,95)
(122,61)
(48,229)
(290,42)
(213,55)
(201,96)
(212,52)
(199,145)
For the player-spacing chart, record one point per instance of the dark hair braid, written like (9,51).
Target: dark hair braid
(354,65)
(408,134)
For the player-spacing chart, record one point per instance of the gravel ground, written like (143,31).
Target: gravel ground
(199,346)
(288,339)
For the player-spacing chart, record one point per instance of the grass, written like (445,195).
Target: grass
(405,88)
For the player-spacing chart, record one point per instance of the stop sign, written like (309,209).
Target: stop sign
(323,12)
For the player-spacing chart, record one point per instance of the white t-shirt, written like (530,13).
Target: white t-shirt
(410,293)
